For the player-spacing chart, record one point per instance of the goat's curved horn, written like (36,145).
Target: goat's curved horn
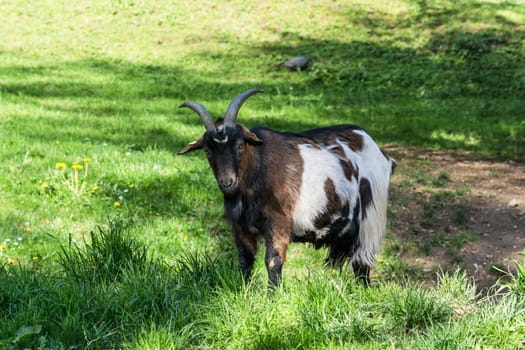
(230,117)
(205,116)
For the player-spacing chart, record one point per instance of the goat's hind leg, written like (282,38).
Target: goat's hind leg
(361,272)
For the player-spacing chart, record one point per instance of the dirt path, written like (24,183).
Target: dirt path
(451,210)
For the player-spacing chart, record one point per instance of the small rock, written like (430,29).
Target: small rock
(298,63)
(513,203)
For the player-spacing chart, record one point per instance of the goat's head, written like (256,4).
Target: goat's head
(224,142)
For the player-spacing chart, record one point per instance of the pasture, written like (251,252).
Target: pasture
(109,240)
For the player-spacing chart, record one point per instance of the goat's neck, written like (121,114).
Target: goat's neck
(250,171)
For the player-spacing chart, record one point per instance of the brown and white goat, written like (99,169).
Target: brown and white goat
(326,186)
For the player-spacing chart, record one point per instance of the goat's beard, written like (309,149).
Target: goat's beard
(233,207)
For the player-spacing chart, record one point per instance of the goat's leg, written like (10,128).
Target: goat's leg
(275,256)
(361,272)
(246,248)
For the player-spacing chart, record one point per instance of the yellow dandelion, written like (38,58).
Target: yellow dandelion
(28,229)
(87,160)
(11,261)
(61,165)
(94,188)
(131,186)
(116,204)
(77,167)
(44,186)
(185,237)
(3,246)
(36,258)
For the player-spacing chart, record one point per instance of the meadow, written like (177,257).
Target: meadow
(109,240)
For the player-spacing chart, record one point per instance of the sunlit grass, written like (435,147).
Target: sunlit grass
(111,292)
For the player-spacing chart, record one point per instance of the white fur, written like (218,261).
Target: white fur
(377,169)
(321,164)
(318,166)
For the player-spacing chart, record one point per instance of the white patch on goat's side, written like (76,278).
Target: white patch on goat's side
(319,165)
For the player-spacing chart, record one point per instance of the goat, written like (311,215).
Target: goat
(326,186)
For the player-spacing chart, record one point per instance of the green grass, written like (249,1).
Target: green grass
(102,80)
(126,299)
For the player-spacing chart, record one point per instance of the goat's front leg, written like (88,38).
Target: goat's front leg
(246,248)
(276,246)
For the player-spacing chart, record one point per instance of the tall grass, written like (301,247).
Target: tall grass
(135,301)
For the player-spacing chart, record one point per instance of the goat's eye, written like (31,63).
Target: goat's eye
(240,147)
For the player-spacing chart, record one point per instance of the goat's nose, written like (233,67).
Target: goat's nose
(226,183)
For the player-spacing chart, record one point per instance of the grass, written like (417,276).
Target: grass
(130,251)
(127,299)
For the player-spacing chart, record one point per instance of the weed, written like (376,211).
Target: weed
(105,257)
(425,248)
(441,180)
(439,238)
(442,197)
(459,216)
(411,308)
(514,281)
(428,217)
(74,180)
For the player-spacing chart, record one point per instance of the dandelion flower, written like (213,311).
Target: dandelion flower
(185,237)
(131,186)
(3,246)
(44,186)
(61,165)
(116,204)
(36,258)
(87,160)
(11,261)
(77,167)
(94,188)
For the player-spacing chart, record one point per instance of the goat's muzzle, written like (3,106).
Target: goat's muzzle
(228,185)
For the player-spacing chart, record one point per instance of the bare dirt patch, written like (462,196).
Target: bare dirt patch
(452,211)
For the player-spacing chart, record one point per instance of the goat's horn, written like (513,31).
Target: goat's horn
(230,117)
(205,116)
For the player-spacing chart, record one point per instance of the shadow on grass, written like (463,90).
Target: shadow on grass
(462,89)
(463,92)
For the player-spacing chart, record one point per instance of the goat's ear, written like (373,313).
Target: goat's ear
(192,146)
(250,137)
